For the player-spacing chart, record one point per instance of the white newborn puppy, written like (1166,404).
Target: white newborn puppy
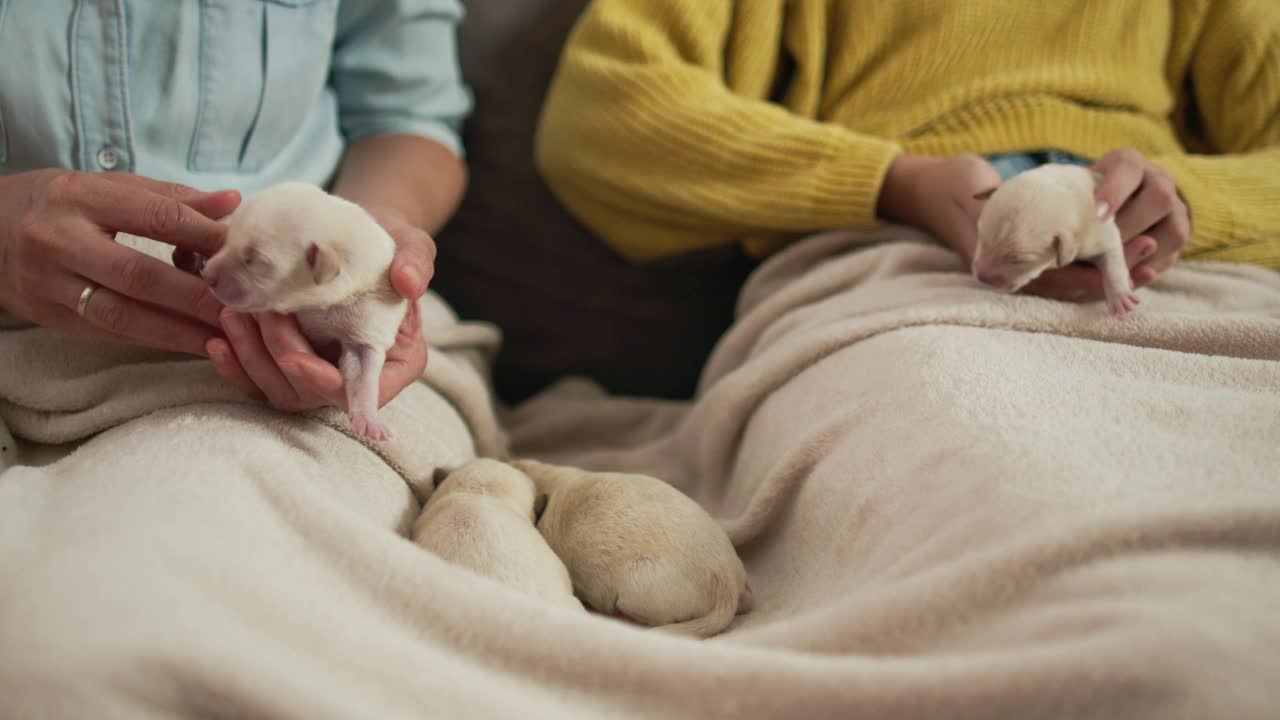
(1044,218)
(293,248)
(637,547)
(481,517)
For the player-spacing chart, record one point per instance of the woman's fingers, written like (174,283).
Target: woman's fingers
(256,361)
(228,366)
(1171,235)
(144,278)
(1073,283)
(1152,209)
(406,360)
(174,190)
(1139,249)
(309,374)
(1141,213)
(1144,275)
(215,204)
(129,320)
(414,263)
(124,207)
(1122,173)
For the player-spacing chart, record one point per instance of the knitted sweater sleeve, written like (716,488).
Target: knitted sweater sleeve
(643,140)
(1234,195)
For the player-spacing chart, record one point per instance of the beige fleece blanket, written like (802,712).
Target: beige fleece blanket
(951,503)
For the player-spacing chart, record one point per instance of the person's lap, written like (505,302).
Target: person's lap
(931,521)
(118,555)
(945,483)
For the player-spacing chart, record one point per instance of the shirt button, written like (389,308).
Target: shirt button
(108,158)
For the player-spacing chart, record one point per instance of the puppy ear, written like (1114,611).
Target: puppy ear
(539,505)
(1063,250)
(323,262)
(984,194)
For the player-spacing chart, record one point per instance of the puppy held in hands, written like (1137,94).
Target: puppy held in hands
(1045,218)
(481,517)
(637,547)
(295,249)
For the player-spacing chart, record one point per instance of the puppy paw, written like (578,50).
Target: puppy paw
(1122,304)
(370,427)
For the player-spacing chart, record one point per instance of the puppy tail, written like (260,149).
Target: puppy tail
(714,622)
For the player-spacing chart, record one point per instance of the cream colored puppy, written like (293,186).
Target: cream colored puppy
(1044,218)
(481,517)
(637,547)
(295,249)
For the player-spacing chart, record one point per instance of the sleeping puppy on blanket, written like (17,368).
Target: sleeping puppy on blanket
(1044,218)
(295,249)
(480,517)
(637,547)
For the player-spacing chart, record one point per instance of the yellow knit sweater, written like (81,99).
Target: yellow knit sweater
(679,124)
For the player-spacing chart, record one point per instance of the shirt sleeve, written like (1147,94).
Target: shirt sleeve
(643,140)
(1233,194)
(395,70)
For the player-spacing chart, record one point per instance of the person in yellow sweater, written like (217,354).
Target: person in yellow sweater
(673,125)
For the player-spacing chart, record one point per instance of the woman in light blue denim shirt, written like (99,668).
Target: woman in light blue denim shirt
(115,115)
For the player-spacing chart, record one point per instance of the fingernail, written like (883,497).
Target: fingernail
(412,276)
(1146,251)
(1103,209)
(291,369)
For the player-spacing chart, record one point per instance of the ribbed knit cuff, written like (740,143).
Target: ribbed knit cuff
(845,185)
(1213,222)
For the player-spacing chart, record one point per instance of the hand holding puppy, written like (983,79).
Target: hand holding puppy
(1045,218)
(60,266)
(294,249)
(1153,221)
(938,195)
(268,358)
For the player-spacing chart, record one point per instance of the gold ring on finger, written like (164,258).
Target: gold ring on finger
(83,304)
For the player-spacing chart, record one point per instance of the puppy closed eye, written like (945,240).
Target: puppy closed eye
(255,260)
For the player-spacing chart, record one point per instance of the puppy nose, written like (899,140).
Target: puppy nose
(990,277)
(209,274)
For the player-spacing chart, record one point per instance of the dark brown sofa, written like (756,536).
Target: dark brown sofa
(513,256)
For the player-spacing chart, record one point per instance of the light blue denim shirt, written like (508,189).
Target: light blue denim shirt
(222,93)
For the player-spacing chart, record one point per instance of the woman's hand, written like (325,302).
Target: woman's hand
(268,358)
(937,195)
(57,231)
(1145,202)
